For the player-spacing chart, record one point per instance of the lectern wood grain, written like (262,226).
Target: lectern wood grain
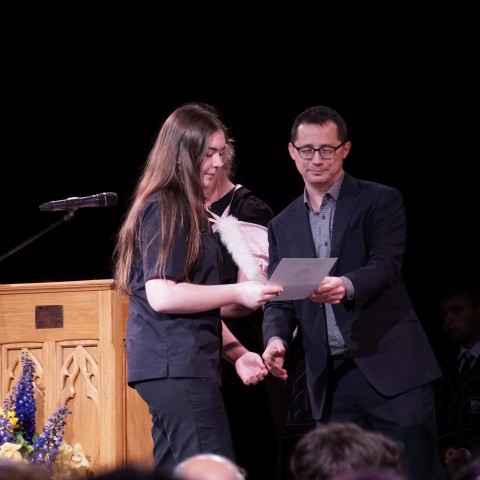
(78,348)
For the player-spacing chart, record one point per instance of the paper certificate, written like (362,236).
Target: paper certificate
(299,276)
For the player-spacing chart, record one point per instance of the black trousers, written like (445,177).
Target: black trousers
(188,417)
(408,417)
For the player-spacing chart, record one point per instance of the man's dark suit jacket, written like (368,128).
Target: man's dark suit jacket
(380,326)
(458,406)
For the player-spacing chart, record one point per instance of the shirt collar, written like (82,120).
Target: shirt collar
(475,351)
(333,191)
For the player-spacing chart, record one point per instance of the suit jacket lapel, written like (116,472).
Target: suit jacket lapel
(347,200)
(300,231)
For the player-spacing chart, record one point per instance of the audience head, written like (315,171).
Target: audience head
(134,472)
(22,470)
(208,467)
(339,448)
(374,474)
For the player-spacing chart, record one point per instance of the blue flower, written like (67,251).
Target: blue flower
(25,406)
(18,438)
(45,449)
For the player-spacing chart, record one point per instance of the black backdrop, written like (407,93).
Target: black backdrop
(85,91)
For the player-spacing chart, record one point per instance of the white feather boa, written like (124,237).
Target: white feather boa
(247,243)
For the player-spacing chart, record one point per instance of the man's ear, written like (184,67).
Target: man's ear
(291,150)
(346,149)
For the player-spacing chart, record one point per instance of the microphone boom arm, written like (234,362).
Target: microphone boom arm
(68,216)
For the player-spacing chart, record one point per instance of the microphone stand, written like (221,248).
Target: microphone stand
(68,216)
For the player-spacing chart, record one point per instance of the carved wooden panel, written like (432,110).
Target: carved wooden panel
(79,357)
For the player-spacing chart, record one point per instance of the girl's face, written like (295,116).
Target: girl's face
(213,159)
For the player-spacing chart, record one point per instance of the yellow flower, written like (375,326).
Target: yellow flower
(10,416)
(73,457)
(10,450)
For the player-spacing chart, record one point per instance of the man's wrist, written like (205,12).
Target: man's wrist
(349,290)
(275,337)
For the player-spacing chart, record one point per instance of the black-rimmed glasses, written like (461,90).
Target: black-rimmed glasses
(326,151)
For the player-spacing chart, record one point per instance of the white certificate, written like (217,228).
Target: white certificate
(299,276)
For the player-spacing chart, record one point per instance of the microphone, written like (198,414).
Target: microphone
(105,199)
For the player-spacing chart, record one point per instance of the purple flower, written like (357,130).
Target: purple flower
(45,449)
(6,426)
(17,426)
(25,406)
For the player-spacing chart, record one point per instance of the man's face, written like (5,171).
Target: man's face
(317,172)
(461,320)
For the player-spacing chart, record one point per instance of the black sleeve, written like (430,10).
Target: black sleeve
(249,208)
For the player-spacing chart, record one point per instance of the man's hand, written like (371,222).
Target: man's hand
(453,455)
(331,290)
(274,357)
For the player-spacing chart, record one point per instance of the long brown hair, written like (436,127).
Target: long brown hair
(172,169)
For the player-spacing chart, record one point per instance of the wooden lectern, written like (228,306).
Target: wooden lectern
(75,334)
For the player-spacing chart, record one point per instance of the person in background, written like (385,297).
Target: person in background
(338,448)
(371,474)
(23,470)
(457,393)
(133,472)
(362,340)
(256,414)
(208,467)
(168,261)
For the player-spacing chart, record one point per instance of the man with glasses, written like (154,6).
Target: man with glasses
(368,359)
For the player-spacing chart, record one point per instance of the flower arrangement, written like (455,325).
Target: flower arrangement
(19,440)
